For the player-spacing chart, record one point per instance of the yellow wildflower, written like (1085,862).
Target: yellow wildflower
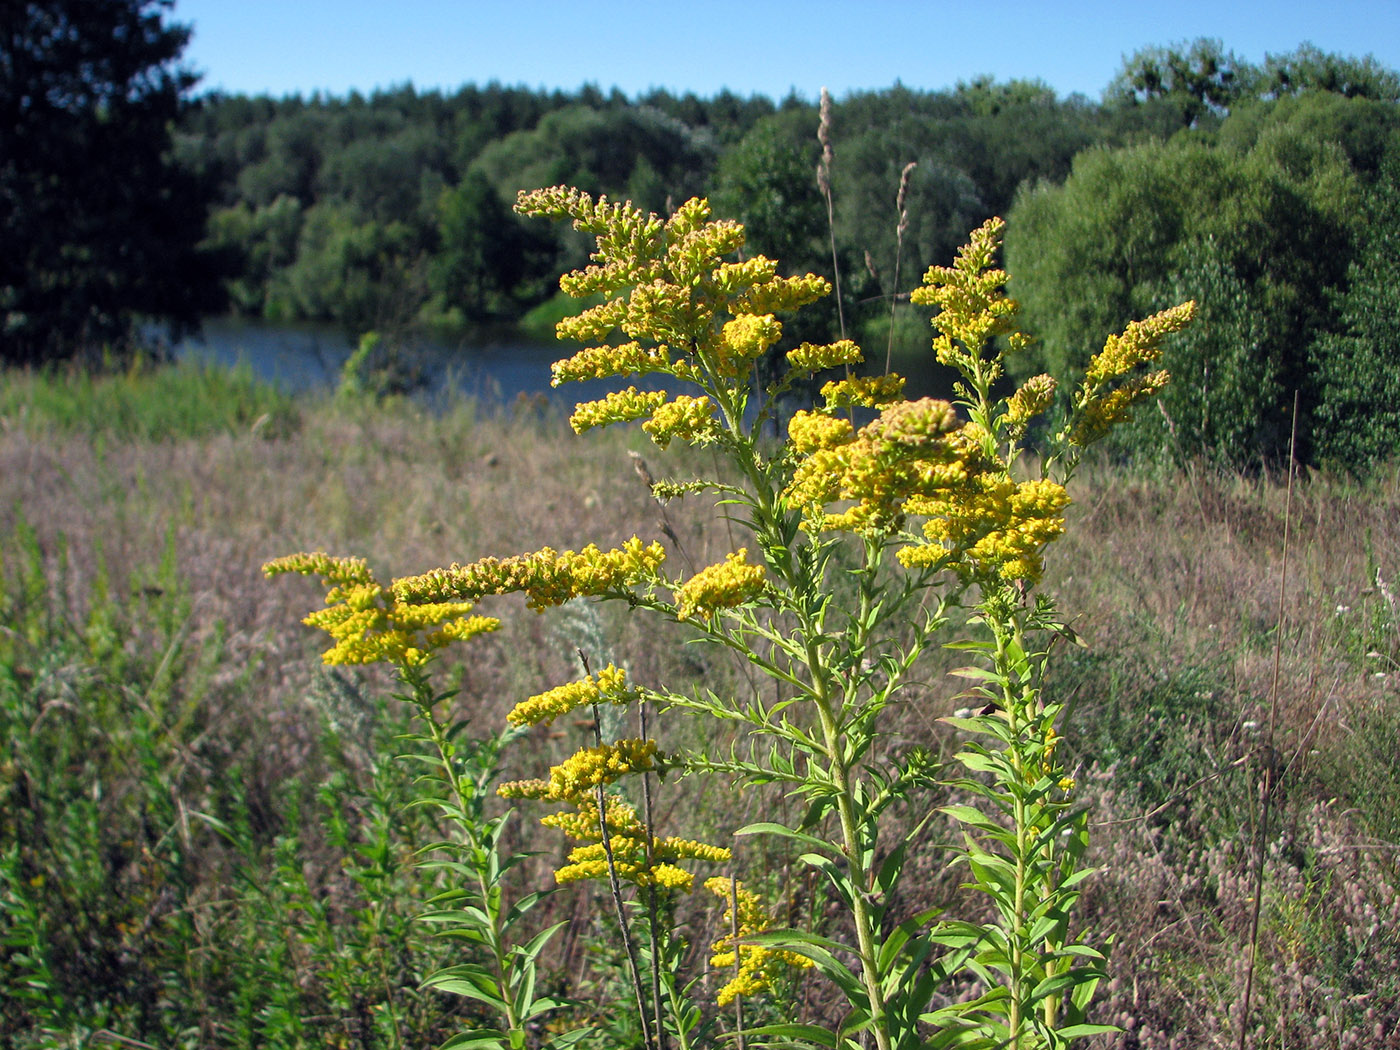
(367,621)
(588,767)
(692,419)
(863,392)
(758,964)
(619,406)
(608,686)
(731,583)
(547,577)
(811,357)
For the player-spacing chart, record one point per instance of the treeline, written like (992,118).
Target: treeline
(1266,192)
(394,210)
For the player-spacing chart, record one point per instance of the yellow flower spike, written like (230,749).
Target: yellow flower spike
(620,406)
(731,583)
(594,324)
(731,279)
(811,431)
(810,358)
(1099,415)
(758,964)
(1034,397)
(782,293)
(1140,343)
(589,767)
(692,419)
(744,340)
(863,392)
(367,622)
(604,362)
(546,576)
(608,686)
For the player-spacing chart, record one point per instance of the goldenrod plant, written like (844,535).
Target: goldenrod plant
(368,625)
(866,530)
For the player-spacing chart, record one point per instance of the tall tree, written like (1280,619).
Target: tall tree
(100,226)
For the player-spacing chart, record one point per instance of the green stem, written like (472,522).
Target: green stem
(1013,702)
(467,821)
(853,847)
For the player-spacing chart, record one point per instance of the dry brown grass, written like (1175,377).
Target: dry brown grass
(1174,582)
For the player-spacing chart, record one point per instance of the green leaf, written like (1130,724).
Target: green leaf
(481,1037)
(766,827)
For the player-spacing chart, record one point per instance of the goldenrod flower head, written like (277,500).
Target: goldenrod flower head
(1034,396)
(744,340)
(595,323)
(731,583)
(810,358)
(627,838)
(692,419)
(758,964)
(1101,413)
(608,686)
(782,294)
(906,452)
(1140,343)
(996,531)
(974,307)
(369,624)
(810,431)
(620,406)
(629,359)
(863,392)
(583,771)
(547,577)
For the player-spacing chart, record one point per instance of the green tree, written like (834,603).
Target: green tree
(1274,223)
(1358,366)
(1197,80)
(100,226)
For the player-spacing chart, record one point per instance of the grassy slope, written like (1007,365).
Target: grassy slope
(142,652)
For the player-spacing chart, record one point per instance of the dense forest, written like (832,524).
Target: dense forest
(1266,192)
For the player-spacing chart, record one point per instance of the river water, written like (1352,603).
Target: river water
(302,359)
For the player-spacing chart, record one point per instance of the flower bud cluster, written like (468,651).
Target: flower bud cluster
(367,621)
(758,964)
(547,577)
(731,583)
(608,686)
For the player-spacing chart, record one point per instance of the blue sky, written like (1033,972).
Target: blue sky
(766,47)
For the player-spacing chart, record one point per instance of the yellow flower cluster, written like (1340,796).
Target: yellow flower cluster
(627,837)
(973,305)
(369,624)
(863,392)
(997,531)
(758,964)
(588,767)
(547,577)
(619,406)
(810,432)
(669,292)
(743,341)
(810,358)
(601,362)
(1100,406)
(731,583)
(692,419)
(608,686)
(910,449)
(1035,395)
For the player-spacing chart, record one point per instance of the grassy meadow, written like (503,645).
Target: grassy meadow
(204,835)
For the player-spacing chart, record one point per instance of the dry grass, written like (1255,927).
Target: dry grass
(1173,581)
